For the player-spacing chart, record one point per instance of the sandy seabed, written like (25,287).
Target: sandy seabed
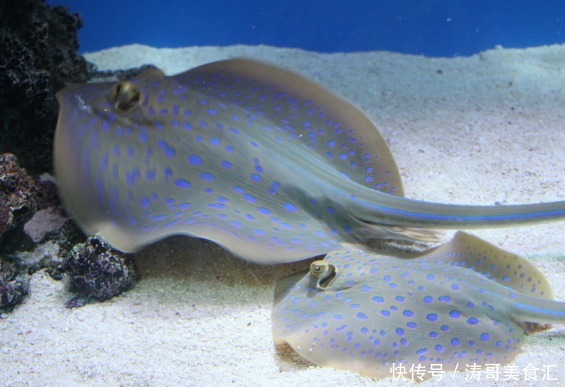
(477,130)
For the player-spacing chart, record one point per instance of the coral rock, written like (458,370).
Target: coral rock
(98,272)
(38,56)
(14,285)
(17,194)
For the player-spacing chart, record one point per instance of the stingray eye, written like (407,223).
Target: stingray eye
(324,272)
(125,96)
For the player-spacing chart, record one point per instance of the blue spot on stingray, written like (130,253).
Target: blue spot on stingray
(338,317)
(399,298)
(454,314)
(444,298)
(169,150)
(485,337)
(470,304)
(431,277)
(184,184)
(431,317)
(226,164)
(444,328)
(290,207)
(422,351)
(133,176)
(439,348)
(387,278)
(207,176)
(428,299)
(412,325)
(408,313)
(362,316)
(378,299)
(256,178)
(264,210)
(506,278)
(143,137)
(195,160)
(400,331)
(250,198)
(213,112)
(455,341)
(217,206)
(385,313)
(229,149)
(433,334)
(473,321)
(187,126)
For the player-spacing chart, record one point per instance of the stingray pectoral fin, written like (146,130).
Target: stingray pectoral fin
(362,136)
(496,264)
(384,209)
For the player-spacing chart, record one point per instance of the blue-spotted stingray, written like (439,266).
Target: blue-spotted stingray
(461,303)
(262,161)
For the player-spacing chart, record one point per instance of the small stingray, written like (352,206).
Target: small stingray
(463,302)
(262,161)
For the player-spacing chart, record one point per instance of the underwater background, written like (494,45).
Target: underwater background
(430,28)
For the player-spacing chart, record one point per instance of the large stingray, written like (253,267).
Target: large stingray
(461,303)
(260,160)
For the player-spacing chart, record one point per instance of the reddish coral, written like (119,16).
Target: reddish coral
(17,194)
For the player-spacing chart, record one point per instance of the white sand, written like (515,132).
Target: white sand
(490,128)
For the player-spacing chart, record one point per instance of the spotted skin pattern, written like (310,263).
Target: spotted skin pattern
(263,162)
(464,302)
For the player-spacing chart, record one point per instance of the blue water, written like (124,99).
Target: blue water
(423,27)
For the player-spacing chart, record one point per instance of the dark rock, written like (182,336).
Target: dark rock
(47,195)
(14,285)
(38,56)
(17,195)
(98,272)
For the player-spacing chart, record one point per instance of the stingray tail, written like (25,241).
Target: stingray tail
(383,209)
(532,312)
